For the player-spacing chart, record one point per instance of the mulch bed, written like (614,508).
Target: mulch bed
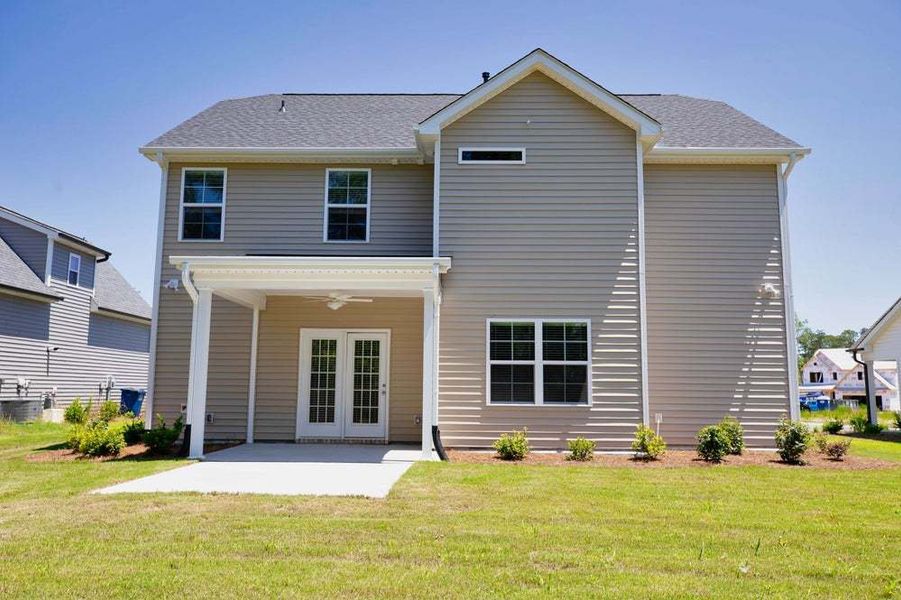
(677,458)
(136,451)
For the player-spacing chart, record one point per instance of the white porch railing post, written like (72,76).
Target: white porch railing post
(428,370)
(200,351)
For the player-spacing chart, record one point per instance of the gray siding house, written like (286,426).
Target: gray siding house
(537,252)
(68,319)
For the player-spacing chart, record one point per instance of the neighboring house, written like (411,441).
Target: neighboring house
(68,319)
(833,373)
(880,343)
(538,252)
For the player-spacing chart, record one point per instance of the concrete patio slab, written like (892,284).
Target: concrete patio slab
(285,469)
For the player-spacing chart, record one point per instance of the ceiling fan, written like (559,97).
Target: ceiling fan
(335,300)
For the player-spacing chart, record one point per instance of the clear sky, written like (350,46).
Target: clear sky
(83,84)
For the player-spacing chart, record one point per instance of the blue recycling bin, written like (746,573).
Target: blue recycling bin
(131,400)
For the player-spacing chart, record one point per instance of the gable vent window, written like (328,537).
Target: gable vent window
(202,205)
(347,205)
(491,156)
(74,269)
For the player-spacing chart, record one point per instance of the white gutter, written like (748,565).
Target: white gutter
(157,274)
(789,300)
(153,152)
(355,263)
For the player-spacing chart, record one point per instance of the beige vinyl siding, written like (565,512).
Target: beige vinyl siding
(274,210)
(278,360)
(30,245)
(555,237)
(716,344)
(75,368)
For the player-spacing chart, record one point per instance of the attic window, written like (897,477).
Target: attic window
(491,156)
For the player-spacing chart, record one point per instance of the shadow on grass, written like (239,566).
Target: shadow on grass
(886,436)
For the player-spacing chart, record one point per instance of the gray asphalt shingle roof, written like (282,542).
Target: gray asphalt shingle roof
(387,121)
(113,292)
(14,273)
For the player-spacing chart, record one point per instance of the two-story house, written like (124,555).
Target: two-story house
(538,252)
(833,372)
(70,324)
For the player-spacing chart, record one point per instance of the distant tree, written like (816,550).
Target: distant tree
(810,340)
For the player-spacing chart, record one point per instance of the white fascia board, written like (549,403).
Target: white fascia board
(349,263)
(874,331)
(226,154)
(701,155)
(540,61)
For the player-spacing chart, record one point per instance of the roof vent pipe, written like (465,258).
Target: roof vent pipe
(485,76)
(282,108)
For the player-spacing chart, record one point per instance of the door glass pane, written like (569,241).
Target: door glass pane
(323,364)
(367,355)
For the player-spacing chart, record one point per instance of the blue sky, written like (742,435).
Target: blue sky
(85,83)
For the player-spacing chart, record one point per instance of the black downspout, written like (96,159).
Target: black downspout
(439,447)
(866,380)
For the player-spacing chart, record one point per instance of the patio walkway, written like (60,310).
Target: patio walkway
(286,469)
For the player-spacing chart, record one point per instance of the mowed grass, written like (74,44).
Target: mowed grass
(454,531)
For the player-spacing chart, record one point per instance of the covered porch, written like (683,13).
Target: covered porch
(340,349)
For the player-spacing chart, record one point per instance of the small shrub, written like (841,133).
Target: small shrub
(647,444)
(792,439)
(833,426)
(836,449)
(713,443)
(76,413)
(100,439)
(109,410)
(74,437)
(897,418)
(860,424)
(735,433)
(160,438)
(580,449)
(512,446)
(133,431)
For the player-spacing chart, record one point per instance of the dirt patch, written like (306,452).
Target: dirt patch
(135,452)
(677,458)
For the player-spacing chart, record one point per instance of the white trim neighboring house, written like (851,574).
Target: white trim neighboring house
(832,372)
(881,343)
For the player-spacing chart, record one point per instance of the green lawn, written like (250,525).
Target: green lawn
(455,530)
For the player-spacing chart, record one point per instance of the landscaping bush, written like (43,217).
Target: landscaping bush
(512,446)
(860,424)
(109,410)
(74,436)
(647,444)
(820,441)
(160,438)
(713,443)
(836,449)
(792,439)
(897,417)
(833,426)
(100,439)
(77,413)
(133,431)
(580,449)
(735,433)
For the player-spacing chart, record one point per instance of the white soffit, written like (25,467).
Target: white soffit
(540,61)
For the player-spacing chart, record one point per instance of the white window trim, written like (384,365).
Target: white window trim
(77,269)
(538,361)
(462,149)
(327,206)
(181,204)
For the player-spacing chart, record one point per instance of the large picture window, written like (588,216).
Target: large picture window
(347,205)
(538,361)
(202,205)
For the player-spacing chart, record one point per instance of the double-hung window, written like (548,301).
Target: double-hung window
(74,268)
(202,205)
(816,377)
(538,361)
(347,205)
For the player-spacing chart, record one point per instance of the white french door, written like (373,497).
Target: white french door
(343,384)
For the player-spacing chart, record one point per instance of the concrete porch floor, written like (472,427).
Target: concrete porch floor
(287,470)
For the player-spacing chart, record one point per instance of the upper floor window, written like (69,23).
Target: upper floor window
(347,205)
(538,361)
(491,156)
(202,204)
(74,268)
(834,376)
(816,377)
(860,376)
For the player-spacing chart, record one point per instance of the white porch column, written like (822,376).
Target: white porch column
(428,370)
(871,396)
(200,351)
(252,384)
